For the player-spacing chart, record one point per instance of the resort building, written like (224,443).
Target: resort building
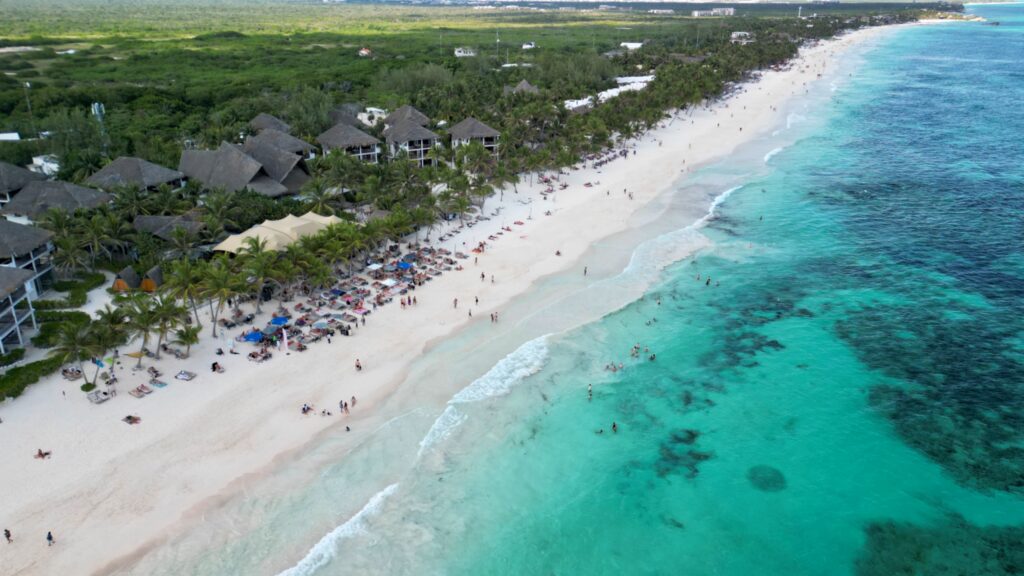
(135,173)
(38,197)
(231,169)
(630,46)
(15,308)
(529,45)
(345,115)
(14,178)
(264,121)
(463,52)
(473,130)
(47,165)
(713,12)
(282,141)
(27,248)
(352,141)
(523,87)
(741,38)
(287,169)
(406,113)
(413,139)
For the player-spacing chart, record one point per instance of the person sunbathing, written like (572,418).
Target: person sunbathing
(40,455)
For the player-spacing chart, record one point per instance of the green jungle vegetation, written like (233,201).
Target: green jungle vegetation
(197,71)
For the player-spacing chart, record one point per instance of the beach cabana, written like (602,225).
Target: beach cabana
(279,234)
(126,280)
(153,280)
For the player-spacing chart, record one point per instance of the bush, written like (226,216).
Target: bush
(77,290)
(12,357)
(88,387)
(14,382)
(50,322)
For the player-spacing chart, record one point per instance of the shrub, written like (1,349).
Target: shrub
(14,382)
(12,357)
(77,290)
(50,322)
(88,387)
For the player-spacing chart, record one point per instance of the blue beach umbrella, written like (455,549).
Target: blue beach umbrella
(253,337)
(404,265)
(279,321)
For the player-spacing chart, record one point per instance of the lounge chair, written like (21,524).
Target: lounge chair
(98,396)
(137,393)
(158,383)
(185,375)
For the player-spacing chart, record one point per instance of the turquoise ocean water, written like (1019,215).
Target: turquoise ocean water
(846,396)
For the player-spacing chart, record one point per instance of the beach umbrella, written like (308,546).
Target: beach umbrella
(320,324)
(269,330)
(404,265)
(279,321)
(253,337)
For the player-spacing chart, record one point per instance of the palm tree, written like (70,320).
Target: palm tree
(95,236)
(187,336)
(141,320)
(167,315)
(75,343)
(183,280)
(59,221)
(182,241)
(218,213)
(110,323)
(130,202)
(68,257)
(319,196)
(219,285)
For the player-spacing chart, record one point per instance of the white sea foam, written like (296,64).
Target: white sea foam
(794,118)
(443,427)
(327,548)
(769,155)
(524,362)
(527,360)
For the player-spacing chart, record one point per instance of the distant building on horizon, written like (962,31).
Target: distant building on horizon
(713,12)
(463,52)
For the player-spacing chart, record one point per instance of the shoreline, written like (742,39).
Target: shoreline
(125,490)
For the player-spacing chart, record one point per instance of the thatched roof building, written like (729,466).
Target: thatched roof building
(282,141)
(134,172)
(406,114)
(14,178)
(264,121)
(20,239)
(231,169)
(37,197)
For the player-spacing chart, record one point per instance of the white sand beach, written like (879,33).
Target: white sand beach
(111,489)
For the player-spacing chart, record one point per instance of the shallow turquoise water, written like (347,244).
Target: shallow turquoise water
(844,397)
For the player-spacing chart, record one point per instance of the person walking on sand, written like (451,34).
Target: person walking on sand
(7,535)
(455,303)
(353,403)
(49,539)
(359,365)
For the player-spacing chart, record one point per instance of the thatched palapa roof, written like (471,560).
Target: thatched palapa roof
(343,116)
(14,178)
(280,140)
(226,167)
(345,136)
(136,172)
(264,121)
(11,279)
(406,113)
(37,197)
(523,87)
(19,239)
(472,128)
(407,131)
